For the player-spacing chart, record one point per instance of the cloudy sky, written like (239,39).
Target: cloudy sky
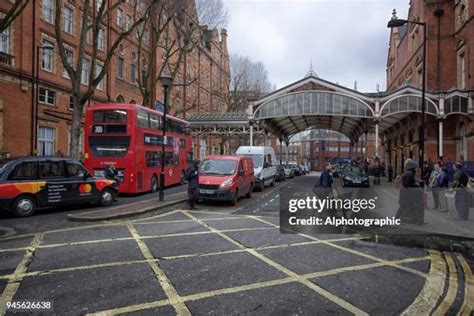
(345,39)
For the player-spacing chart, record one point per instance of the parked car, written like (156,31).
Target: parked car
(280,173)
(225,178)
(296,169)
(289,171)
(355,177)
(30,183)
(264,164)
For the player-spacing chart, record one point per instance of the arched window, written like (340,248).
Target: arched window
(120,99)
(132,101)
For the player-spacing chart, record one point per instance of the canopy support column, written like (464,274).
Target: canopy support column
(440,139)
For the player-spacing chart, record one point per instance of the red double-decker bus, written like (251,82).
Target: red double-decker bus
(130,137)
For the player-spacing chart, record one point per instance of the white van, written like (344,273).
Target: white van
(264,164)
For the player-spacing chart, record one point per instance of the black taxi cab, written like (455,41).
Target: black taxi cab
(30,183)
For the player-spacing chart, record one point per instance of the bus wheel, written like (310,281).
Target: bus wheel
(183,178)
(24,206)
(154,184)
(106,197)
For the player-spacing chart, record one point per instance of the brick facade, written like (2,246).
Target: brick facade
(206,68)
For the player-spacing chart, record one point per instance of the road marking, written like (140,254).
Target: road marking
(346,249)
(15,279)
(451,294)
(432,290)
(339,301)
(467,305)
(172,294)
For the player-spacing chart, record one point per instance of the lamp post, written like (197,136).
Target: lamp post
(396,22)
(166,82)
(36,94)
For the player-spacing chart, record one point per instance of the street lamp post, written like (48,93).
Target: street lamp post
(166,82)
(396,22)
(36,95)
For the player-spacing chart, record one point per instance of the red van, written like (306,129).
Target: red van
(225,178)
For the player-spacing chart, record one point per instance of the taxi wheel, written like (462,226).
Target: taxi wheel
(154,184)
(24,206)
(106,197)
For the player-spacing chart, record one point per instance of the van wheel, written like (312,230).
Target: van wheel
(154,184)
(261,186)
(249,193)
(273,182)
(235,198)
(106,197)
(24,206)
(182,179)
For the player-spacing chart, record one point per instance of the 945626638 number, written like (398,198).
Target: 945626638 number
(29,306)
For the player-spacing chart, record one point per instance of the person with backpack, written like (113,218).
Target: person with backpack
(460,180)
(443,185)
(192,176)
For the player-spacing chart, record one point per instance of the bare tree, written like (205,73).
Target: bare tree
(212,13)
(174,34)
(93,20)
(248,79)
(15,10)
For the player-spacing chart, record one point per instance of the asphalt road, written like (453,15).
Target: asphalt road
(223,260)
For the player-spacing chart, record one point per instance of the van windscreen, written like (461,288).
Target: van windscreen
(219,167)
(257,160)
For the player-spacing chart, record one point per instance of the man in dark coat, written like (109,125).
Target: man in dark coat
(411,208)
(192,176)
(390,173)
(460,180)
(110,172)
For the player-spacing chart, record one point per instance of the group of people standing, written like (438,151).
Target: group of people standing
(436,181)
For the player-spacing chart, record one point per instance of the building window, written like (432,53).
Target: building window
(47,11)
(85,73)
(119,99)
(47,60)
(69,56)
(462,66)
(98,69)
(46,141)
(46,96)
(133,73)
(119,18)
(128,22)
(101,39)
(5,41)
(71,102)
(68,22)
(120,67)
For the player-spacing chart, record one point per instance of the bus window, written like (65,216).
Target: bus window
(153,158)
(182,142)
(168,158)
(142,119)
(154,121)
(110,116)
(189,157)
(105,146)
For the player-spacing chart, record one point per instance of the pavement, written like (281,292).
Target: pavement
(226,261)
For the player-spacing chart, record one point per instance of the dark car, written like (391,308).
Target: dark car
(280,173)
(355,177)
(30,183)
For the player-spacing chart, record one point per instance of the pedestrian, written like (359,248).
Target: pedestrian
(433,185)
(326,180)
(443,185)
(192,176)
(460,180)
(390,173)
(111,173)
(411,197)
(427,168)
(377,170)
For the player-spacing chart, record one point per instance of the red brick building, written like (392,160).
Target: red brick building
(202,79)
(449,80)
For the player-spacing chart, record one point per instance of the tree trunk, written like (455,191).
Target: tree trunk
(75,147)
